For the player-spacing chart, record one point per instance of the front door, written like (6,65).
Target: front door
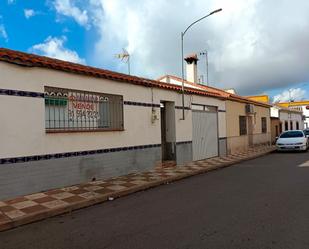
(168,131)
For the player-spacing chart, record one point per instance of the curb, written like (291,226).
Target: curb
(41,215)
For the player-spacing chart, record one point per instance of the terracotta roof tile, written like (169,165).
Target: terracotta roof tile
(32,60)
(224,94)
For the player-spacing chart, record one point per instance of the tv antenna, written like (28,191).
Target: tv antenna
(205,53)
(125,57)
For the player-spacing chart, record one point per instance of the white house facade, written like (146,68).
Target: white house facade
(64,123)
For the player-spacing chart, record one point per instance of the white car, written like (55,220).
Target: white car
(292,140)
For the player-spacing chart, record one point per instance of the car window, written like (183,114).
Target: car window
(306,132)
(291,134)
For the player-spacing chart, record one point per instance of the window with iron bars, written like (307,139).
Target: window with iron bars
(264,124)
(69,110)
(242,125)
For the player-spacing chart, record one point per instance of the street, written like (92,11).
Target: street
(261,203)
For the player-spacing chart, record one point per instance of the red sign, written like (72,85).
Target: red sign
(307,107)
(82,105)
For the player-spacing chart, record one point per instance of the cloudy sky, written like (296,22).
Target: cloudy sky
(254,46)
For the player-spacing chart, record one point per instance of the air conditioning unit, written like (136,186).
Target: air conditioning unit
(250,109)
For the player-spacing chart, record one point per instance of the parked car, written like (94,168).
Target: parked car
(306,131)
(292,140)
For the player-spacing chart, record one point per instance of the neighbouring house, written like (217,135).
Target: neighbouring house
(287,119)
(247,121)
(282,118)
(63,123)
(299,105)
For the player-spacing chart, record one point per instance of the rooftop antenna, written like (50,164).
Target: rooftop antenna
(125,57)
(205,53)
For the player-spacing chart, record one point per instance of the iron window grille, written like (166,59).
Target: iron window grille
(242,125)
(69,110)
(264,125)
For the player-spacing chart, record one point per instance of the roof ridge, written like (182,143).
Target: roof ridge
(34,60)
(64,61)
(226,94)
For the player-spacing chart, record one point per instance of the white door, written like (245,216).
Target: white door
(205,134)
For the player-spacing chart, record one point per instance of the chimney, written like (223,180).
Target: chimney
(192,68)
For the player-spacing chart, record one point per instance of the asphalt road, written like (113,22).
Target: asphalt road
(262,203)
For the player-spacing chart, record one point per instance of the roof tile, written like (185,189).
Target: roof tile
(222,93)
(32,60)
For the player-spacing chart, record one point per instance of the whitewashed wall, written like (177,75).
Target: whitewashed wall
(285,115)
(22,126)
(306,114)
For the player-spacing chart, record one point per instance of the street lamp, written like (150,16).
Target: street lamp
(182,58)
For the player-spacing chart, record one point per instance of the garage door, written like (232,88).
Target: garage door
(205,134)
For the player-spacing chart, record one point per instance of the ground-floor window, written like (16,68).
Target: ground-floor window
(264,125)
(286,125)
(74,110)
(291,125)
(242,125)
(297,125)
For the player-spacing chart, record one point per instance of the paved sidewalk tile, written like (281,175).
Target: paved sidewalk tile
(33,207)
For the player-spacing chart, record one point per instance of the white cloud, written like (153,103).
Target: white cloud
(29,13)
(253,45)
(54,47)
(293,94)
(3,32)
(67,8)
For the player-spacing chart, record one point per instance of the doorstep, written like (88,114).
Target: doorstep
(38,206)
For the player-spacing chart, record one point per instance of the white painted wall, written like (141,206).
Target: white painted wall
(274,112)
(22,126)
(306,114)
(195,99)
(285,115)
(167,79)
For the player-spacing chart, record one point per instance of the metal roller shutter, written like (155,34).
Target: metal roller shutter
(205,134)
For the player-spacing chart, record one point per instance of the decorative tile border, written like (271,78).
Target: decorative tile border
(141,104)
(183,142)
(20,93)
(73,154)
(37,206)
(180,107)
(188,108)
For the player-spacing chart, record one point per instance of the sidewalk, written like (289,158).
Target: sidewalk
(38,206)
